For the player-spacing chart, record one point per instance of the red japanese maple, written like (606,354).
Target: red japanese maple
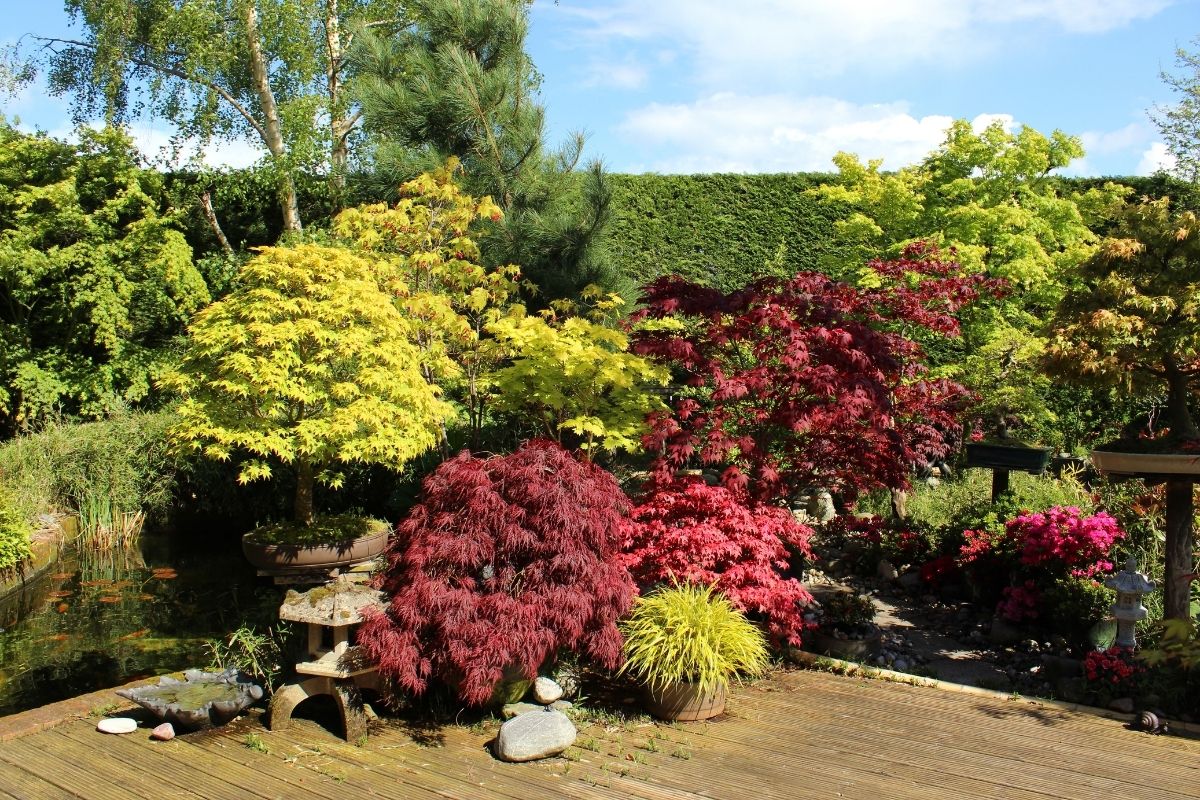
(809,380)
(505,562)
(689,531)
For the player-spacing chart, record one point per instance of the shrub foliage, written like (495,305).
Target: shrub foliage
(690,531)
(505,562)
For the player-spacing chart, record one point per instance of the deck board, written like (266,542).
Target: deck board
(800,735)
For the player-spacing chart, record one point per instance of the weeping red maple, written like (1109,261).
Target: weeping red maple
(809,381)
(689,531)
(504,563)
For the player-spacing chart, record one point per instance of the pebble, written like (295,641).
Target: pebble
(116,725)
(1122,704)
(546,691)
(900,665)
(535,735)
(163,733)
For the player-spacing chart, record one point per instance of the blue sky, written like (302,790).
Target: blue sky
(781,85)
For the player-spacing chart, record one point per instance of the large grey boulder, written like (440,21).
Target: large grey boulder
(538,734)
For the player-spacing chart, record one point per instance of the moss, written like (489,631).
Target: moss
(325,531)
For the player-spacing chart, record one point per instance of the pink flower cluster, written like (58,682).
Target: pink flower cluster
(1020,602)
(1065,536)
(1113,666)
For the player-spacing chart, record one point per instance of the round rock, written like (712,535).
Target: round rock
(163,733)
(116,725)
(546,691)
(535,735)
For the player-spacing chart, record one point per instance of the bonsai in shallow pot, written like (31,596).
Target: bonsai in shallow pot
(307,365)
(1133,321)
(685,643)
(846,627)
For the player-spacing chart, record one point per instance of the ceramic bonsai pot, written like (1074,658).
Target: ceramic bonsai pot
(316,556)
(684,702)
(1008,457)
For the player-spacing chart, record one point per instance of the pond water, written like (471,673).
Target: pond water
(97,620)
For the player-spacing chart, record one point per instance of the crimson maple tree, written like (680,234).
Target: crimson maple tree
(809,381)
(505,562)
(688,531)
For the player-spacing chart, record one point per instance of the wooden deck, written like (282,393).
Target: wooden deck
(797,735)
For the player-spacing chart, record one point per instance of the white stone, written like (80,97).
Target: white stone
(546,691)
(535,735)
(116,725)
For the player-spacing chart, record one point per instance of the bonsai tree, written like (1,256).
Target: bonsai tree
(307,363)
(1134,322)
(505,562)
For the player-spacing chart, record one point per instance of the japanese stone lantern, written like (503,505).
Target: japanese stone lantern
(335,666)
(1130,586)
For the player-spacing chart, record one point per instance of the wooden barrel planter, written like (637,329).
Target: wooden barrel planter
(684,702)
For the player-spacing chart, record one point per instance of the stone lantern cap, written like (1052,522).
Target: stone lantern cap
(1129,580)
(339,602)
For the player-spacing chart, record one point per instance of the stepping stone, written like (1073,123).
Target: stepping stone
(116,725)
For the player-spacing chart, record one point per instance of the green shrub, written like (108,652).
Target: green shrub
(1073,605)
(15,533)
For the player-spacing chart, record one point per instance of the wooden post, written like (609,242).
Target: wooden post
(999,483)
(1178,549)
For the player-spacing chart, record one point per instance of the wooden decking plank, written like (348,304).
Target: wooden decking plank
(21,784)
(986,764)
(62,772)
(1024,734)
(416,776)
(115,770)
(180,764)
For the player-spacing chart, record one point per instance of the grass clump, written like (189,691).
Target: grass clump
(687,633)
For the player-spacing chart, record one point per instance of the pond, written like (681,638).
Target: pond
(97,620)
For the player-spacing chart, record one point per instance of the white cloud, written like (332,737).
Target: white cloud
(727,132)
(783,42)
(1076,16)
(629,75)
(1155,157)
(1130,137)
(154,143)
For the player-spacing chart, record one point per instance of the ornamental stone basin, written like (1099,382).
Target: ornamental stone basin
(202,699)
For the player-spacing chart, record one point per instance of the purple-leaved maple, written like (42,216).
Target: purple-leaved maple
(809,381)
(506,562)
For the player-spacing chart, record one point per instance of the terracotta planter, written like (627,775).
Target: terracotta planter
(1112,463)
(683,702)
(284,556)
(1014,458)
(819,641)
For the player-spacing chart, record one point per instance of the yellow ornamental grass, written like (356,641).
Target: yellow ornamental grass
(692,634)
(307,363)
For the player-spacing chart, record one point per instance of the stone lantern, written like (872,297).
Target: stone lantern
(1130,586)
(334,667)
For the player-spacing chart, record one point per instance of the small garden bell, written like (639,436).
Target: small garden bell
(1130,586)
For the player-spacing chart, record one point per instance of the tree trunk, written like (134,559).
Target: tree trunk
(210,215)
(1177,578)
(1178,415)
(272,131)
(303,513)
(339,125)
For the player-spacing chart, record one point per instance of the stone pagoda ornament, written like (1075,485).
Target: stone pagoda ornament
(1131,586)
(335,666)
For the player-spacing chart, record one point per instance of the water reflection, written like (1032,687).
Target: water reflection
(97,620)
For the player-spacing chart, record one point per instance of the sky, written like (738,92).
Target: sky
(693,86)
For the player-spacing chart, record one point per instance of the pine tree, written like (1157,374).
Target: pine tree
(458,83)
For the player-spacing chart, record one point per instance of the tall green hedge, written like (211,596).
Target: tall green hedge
(717,229)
